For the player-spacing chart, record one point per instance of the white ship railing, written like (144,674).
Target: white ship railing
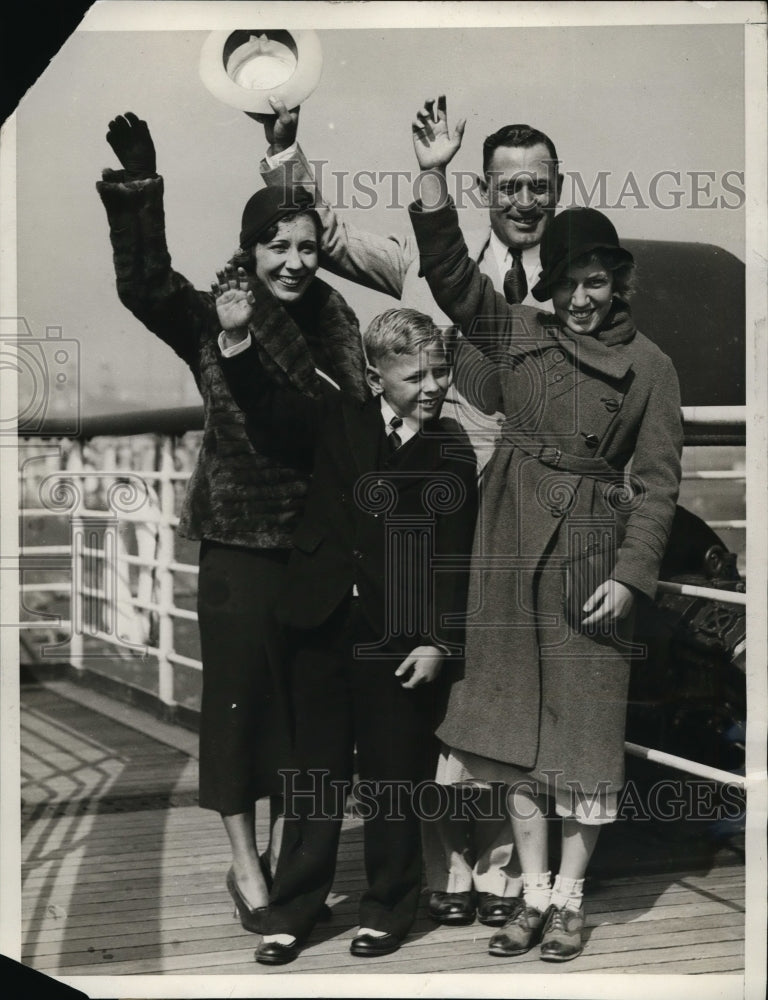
(117,487)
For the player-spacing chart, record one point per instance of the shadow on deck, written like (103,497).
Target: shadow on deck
(124,875)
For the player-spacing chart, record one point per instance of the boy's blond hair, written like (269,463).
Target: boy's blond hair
(403,331)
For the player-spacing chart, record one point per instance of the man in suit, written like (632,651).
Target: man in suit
(520,187)
(470,863)
(375,592)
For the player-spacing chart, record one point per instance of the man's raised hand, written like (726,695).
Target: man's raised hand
(129,137)
(434,144)
(280,128)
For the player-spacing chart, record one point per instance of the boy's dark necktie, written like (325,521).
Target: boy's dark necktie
(515,282)
(393,438)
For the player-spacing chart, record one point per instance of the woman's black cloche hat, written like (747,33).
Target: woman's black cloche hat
(269,206)
(572,234)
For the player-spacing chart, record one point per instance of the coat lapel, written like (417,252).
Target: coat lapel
(418,453)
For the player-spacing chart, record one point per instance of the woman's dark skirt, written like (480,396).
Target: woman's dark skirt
(244,717)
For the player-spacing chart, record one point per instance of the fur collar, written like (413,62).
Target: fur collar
(320,331)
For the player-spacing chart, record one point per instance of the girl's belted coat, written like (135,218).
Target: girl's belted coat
(535,693)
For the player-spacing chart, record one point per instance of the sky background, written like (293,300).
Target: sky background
(634,98)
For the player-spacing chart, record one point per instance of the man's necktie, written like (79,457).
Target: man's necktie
(393,437)
(515,282)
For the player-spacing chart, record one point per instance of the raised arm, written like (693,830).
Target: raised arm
(160,298)
(279,417)
(462,292)
(377,262)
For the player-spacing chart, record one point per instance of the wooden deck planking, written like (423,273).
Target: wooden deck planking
(198,956)
(212,854)
(674,924)
(213,901)
(600,910)
(117,883)
(217,924)
(132,892)
(236,957)
(432,948)
(176,881)
(98,755)
(216,920)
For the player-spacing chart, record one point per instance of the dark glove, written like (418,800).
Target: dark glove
(130,139)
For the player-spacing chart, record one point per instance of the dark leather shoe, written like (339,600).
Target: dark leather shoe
(452,907)
(563,937)
(373,945)
(520,933)
(277,954)
(251,917)
(494,911)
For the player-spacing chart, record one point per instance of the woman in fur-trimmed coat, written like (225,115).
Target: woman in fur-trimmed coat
(242,501)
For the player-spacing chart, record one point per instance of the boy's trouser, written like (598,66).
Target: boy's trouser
(462,854)
(341,702)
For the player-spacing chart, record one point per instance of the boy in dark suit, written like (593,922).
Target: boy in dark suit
(376,593)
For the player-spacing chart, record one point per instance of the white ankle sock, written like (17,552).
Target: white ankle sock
(536,889)
(371,931)
(278,939)
(568,892)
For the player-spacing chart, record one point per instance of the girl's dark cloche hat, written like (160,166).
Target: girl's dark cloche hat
(269,206)
(570,235)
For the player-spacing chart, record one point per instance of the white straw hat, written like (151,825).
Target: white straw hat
(245,68)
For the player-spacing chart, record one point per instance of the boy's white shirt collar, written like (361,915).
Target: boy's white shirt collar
(406,431)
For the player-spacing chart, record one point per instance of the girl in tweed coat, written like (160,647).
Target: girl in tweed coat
(243,500)
(566,541)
